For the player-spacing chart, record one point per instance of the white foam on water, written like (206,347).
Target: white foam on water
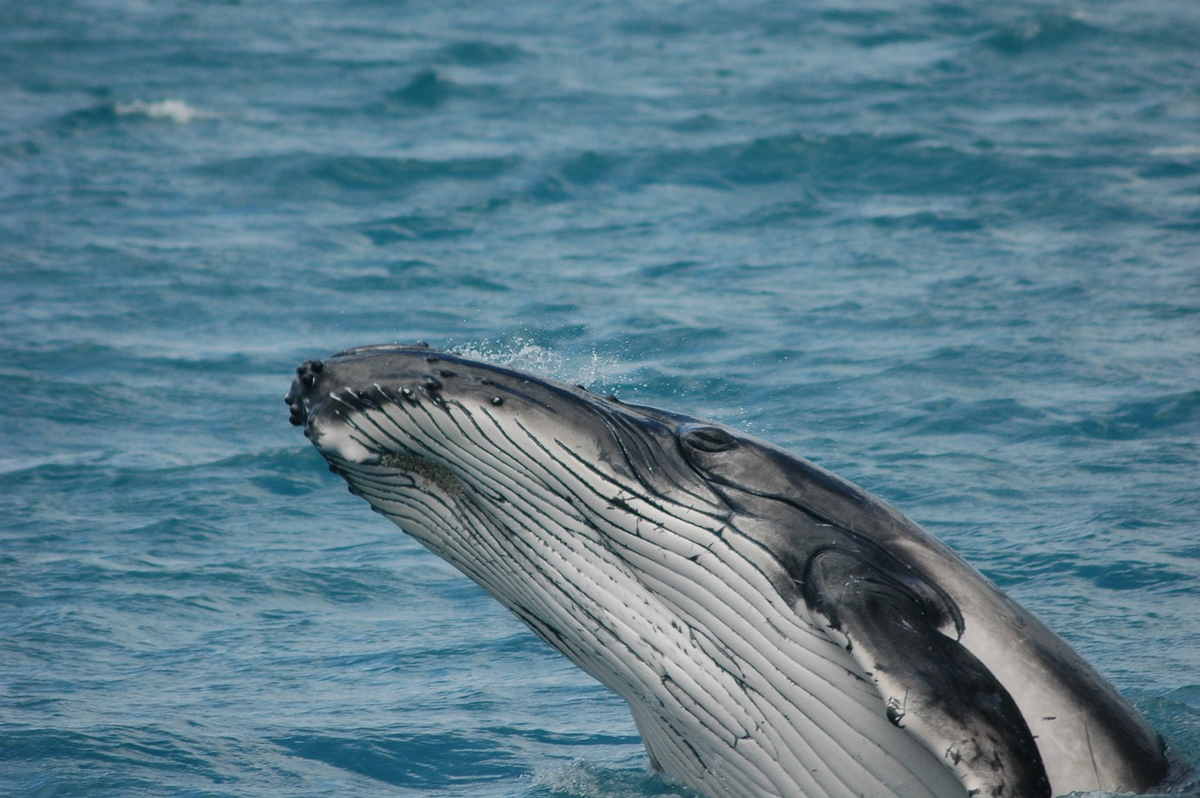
(588,780)
(172,110)
(1182,151)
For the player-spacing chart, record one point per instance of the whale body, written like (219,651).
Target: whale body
(775,629)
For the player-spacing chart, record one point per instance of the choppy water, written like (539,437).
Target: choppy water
(949,249)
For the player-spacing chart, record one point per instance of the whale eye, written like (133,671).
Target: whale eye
(708,439)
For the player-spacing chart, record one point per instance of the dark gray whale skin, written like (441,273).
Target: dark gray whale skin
(990,692)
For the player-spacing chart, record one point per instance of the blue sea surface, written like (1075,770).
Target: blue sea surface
(948,249)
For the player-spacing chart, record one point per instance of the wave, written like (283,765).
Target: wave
(111,113)
(1047,31)
(171,110)
(414,760)
(479,53)
(300,171)
(1142,418)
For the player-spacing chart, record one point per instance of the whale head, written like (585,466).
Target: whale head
(513,478)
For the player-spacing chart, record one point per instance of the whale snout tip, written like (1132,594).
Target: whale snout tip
(306,379)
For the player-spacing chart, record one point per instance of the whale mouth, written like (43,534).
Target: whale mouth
(396,418)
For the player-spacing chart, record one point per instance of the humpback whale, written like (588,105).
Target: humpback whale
(775,629)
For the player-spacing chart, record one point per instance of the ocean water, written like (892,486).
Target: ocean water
(950,250)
